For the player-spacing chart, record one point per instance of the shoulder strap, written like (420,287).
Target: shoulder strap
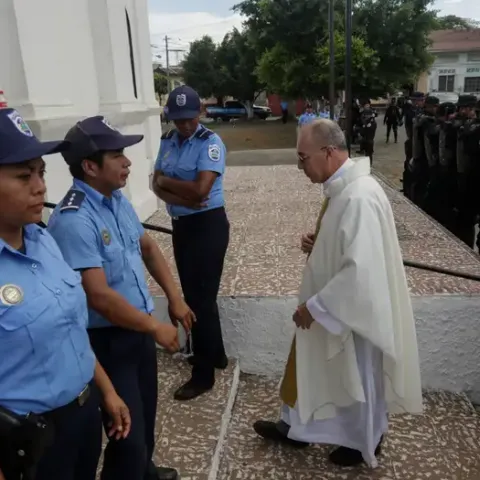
(204,134)
(168,135)
(73,200)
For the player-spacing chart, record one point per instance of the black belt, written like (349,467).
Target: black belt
(71,407)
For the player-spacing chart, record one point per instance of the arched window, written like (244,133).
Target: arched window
(132,57)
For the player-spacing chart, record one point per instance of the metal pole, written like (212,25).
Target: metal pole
(331,31)
(348,71)
(167,63)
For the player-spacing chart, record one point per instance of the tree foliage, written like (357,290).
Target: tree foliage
(389,44)
(452,22)
(223,70)
(160,84)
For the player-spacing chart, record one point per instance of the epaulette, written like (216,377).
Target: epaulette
(73,200)
(41,224)
(204,134)
(168,135)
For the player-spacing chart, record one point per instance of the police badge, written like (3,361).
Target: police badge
(181,100)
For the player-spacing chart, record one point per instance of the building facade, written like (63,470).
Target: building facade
(64,60)
(456,67)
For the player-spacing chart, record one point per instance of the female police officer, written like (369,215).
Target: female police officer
(189,178)
(48,400)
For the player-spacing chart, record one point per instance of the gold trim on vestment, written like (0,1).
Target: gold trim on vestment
(288,387)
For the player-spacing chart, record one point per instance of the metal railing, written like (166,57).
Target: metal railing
(406,263)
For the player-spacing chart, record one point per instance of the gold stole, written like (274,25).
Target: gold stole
(288,388)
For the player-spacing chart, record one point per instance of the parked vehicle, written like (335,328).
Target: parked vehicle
(234,109)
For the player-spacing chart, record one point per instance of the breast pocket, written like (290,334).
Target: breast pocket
(186,167)
(114,264)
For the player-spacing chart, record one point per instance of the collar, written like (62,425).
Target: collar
(30,232)
(346,174)
(176,136)
(92,194)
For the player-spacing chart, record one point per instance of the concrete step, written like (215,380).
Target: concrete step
(190,434)
(443,444)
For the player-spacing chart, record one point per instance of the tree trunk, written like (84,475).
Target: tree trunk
(249,107)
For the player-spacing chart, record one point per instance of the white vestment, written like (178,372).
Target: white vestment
(359,359)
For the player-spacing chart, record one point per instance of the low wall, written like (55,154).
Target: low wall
(258,331)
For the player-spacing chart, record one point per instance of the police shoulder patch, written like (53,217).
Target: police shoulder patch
(168,135)
(73,200)
(214,152)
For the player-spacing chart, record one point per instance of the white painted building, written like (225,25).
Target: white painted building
(63,60)
(457,62)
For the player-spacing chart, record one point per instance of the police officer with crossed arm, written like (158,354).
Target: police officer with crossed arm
(189,178)
(50,426)
(101,236)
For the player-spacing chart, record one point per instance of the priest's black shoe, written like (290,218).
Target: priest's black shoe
(347,457)
(191,390)
(220,365)
(276,432)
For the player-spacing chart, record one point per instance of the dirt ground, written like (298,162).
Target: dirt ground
(257,134)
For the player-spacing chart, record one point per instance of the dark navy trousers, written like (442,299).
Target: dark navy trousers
(130,360)
(76,448)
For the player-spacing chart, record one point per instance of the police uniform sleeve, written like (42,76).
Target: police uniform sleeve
(212,156)
(164,144)
(78,241)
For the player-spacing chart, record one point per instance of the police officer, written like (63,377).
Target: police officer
(392,119)
(49,402)
(368,130)
(101,236)
(307,117)
(189,178)
(467,169)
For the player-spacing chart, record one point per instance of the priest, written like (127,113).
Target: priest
(354,357)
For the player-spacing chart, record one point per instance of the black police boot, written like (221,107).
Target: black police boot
(192,389)
(347,457)
(276,432)
(162,473)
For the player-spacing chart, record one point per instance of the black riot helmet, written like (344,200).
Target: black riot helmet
(446,109)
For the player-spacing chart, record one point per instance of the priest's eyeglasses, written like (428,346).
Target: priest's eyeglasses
(302,157)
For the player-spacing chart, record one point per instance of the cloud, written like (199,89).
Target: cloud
(183,28)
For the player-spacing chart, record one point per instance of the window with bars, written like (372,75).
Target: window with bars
(472,84)
(446,83)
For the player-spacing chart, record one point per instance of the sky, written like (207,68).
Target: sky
(186,20)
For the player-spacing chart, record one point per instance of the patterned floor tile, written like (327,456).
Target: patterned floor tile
(272,206)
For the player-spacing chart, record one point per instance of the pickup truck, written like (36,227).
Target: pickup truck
(234,109)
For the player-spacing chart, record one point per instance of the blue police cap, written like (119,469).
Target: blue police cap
(183,104)
(18,143)
(93,135)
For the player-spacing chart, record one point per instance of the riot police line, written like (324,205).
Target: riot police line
(442,162)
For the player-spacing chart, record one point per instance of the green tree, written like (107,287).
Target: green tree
(236,60)
(452,22)
(200,70)
(291,39)
(160,84)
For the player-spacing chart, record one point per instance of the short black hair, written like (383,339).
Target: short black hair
(76,170)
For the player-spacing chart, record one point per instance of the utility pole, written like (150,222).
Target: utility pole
(331,35)
(348,71)
(167,61)
(167,64)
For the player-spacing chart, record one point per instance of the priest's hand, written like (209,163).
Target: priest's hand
(302,317)
(307,242)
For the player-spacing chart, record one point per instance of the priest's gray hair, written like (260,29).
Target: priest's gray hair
(328,133)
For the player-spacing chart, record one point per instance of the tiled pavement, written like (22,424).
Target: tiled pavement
(269,207)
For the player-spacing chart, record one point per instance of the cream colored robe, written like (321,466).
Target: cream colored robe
(360,358)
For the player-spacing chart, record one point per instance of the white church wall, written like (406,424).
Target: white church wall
(63,60)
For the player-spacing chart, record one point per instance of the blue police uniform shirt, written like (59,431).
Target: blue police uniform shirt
(46,359)
(203,151)
(306,118)
(94,231)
